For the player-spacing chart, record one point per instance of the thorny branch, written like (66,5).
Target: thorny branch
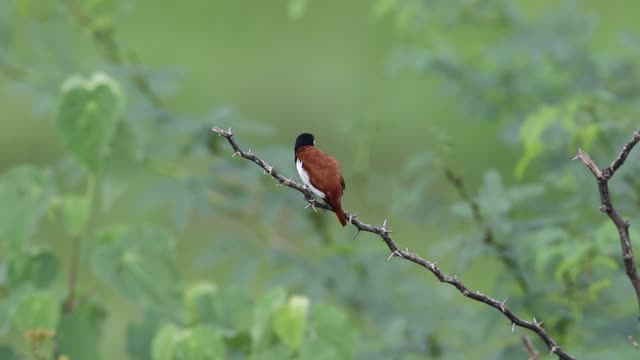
(606,205)
(385,234)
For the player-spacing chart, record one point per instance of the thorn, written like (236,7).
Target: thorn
(513,327)
(384,227)
(434,266)
(502,304)
(352,217)
(357,232)
(311,205)
(580,152)
(465,292)
(229,132)
(249,152)
(268,170)
(554,349)
(279,183)
(237,153)
(390,256)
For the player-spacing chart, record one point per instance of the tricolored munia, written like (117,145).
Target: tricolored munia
(320,172)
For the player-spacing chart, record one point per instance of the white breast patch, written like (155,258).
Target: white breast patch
(305,179)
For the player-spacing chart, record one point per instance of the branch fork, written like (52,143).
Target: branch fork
(606,205)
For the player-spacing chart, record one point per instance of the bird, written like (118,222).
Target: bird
(320,172)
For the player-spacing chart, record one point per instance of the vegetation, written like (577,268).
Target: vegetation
(127,230)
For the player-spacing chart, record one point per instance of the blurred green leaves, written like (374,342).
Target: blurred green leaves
(139,262)
(537,76)
(25,195)
(88,116)
(37,310)
(201,303)
(80,331)
(197,343)
(290,320)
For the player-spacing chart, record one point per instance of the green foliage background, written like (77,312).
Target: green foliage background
(128,232)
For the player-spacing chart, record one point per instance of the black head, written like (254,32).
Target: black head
(304,139)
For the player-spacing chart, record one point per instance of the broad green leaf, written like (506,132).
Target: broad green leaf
(140,334)
(163,345)
(8,306)
(37,310)
(262,312)
(201,304)
(38,269)
(25,194)
(88,116)
(139,262)
(197,343)
(332,327)
(79,332)
(290,321)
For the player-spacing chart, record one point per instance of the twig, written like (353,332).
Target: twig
(489,237)
(529,348)
(606,205)
(70,301)
(633,342)
(384,233)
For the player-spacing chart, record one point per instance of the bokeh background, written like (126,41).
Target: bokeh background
(454,120)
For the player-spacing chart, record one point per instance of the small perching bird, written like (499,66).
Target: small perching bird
(320,172)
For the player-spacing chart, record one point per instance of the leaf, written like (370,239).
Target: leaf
(333,328)
(80,331)
(201,303)
(531,134)
(290,321)
(139,262)
(38,269)
(197,343)
(262,312)
(141,334)
(37,310)
(25,194)
(88,116)
(8,305)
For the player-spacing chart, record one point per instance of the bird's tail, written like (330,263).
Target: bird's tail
(337,208)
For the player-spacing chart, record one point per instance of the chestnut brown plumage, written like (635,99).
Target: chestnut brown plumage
(321,173)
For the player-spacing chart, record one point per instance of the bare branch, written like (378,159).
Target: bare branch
(606,205)
(430,266)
